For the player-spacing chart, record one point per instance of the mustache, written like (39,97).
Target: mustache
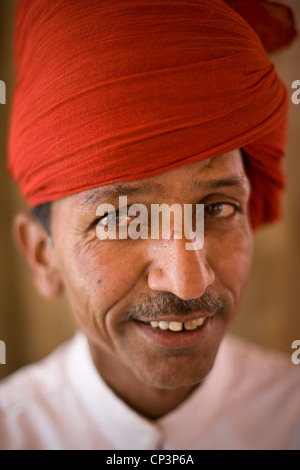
(168,303)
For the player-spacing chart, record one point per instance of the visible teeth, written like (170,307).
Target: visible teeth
(190,325)
(163,325)
(200,321)
(178,326)
(175,326)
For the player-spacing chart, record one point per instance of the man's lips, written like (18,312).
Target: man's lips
(186,335)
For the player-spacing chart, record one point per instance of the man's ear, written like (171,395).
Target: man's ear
(35,244)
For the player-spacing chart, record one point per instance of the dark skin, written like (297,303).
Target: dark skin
(150,376)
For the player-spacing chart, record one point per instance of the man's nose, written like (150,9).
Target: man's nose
(185,273)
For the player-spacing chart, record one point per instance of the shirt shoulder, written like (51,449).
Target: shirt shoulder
(30,400)
(32,382)
(262,390)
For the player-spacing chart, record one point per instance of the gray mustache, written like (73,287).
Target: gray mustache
(167,303)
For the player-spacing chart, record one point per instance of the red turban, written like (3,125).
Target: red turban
(117,90)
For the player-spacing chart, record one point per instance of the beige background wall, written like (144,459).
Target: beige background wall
(31,326)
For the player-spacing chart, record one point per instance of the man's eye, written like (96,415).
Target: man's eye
(114,219)
(220,210)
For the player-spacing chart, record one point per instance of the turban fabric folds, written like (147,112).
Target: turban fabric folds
(119,90)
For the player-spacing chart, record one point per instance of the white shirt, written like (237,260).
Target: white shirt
(250,400)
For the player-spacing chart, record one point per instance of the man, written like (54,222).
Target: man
(164,103)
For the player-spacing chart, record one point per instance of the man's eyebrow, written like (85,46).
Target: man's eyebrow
(212,185)
(112,192)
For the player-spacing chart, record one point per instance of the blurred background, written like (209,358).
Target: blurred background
(32,327)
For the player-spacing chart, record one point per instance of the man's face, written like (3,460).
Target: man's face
(116,288)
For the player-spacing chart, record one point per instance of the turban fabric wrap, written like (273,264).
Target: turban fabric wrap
(119,90)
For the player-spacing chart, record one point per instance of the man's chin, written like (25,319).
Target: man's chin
(172,381)
(178,371)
